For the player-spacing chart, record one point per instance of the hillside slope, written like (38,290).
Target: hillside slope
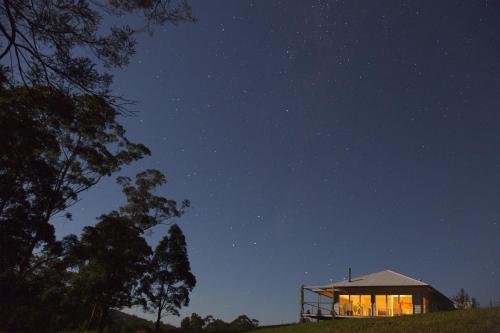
(480,321)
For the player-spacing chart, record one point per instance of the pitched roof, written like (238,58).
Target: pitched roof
(380,279)
(384,278)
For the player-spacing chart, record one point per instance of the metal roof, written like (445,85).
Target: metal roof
(380,279)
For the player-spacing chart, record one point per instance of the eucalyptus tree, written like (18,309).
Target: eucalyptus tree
(59,128)
(146,208)
(68,44)
(112,257)
(169,280)
(195,323)
(52,148)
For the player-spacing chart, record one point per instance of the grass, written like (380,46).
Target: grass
(478,320)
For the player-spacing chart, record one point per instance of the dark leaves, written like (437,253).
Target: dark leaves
(169,280)
(145,208)
(52,148)
(61,43)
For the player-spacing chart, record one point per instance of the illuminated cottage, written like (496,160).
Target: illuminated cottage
(382,294)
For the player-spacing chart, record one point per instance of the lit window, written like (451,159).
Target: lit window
(366,305)
(393,305)
(344,306)
(381,305)
(406,304)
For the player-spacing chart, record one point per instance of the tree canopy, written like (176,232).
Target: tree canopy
(62,43)
(196,324)
(53,147)
(144,207)
(59,135)
(462,300)
(112,257)
(169,280)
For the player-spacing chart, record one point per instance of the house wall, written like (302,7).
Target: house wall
(418,299)
(439,302)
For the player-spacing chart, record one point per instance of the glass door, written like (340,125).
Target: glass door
(381,305)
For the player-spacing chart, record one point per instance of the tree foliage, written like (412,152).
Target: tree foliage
(194,323)
(169,280)
(244,323)
(60,43)
(209,324)
(59,135)
(112,257)
(462,300)
(144,207)
(53,148)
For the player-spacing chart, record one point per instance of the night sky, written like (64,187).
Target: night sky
(312,136)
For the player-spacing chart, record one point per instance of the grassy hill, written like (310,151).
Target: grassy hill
(479,320)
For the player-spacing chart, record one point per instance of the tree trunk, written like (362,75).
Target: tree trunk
(158,318)
(91,320)
(102,320)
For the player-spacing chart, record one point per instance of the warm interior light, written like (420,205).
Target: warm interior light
(385,305)
(406,304)
(381,305)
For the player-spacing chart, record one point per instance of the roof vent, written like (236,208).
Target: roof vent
(349,274)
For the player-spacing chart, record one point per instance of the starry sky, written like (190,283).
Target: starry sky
(313,136)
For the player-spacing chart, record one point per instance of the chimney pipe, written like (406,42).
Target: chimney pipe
(349,274)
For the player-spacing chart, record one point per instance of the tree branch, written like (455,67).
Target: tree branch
(12,37)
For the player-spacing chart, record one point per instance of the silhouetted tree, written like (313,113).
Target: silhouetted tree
(40,300)
(243,323)
(194,323)
(59,135)
(52,148)
(144,207)
(215,325)
(43,39)
(169,280)
(474,303)
(462,300)
(113,257)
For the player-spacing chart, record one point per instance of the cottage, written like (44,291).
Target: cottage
(382,294)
